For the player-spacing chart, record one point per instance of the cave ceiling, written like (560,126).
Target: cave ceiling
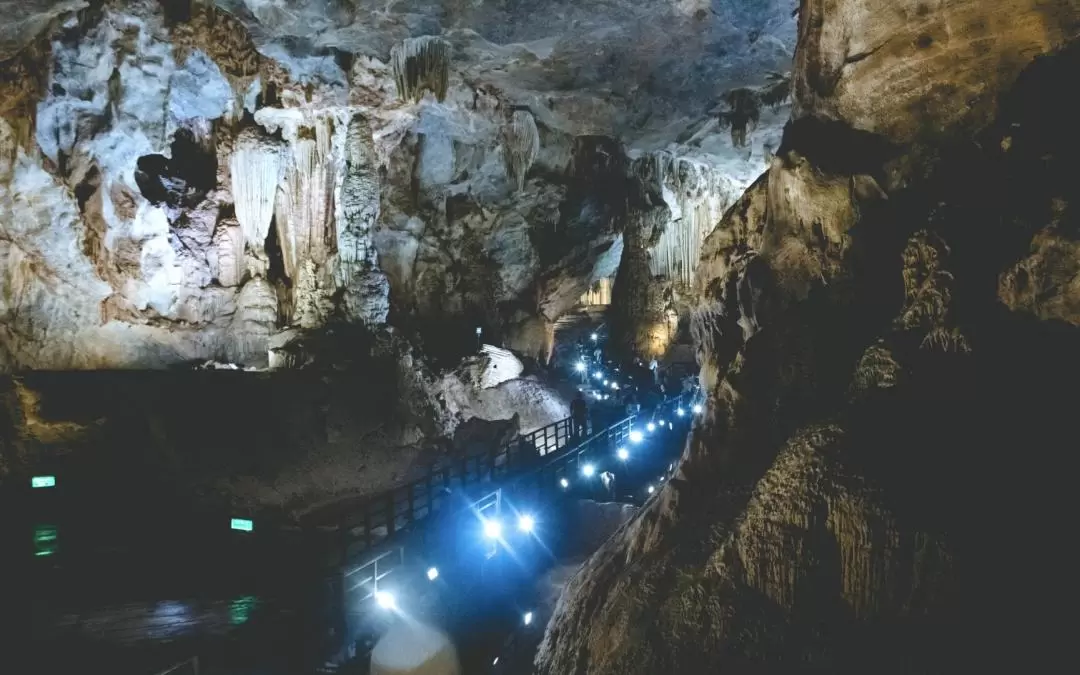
(652,73)
(204,178)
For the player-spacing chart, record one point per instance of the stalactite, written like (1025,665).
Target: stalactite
(698,197)
(305,200)
(421,63)
(522,146)
(598,294)
(256,169)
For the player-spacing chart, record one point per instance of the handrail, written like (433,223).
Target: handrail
(193,661)
(419,498)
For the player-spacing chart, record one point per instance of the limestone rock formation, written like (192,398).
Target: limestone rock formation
(884,323)
(172,161)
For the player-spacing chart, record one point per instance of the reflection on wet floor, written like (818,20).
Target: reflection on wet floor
(158,621)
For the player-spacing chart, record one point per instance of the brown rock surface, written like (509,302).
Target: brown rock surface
(879,423)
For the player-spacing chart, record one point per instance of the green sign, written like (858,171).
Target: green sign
(241,608)
(45,540)
(43,481)
(242,524)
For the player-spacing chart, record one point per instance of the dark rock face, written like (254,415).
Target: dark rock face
(884,351)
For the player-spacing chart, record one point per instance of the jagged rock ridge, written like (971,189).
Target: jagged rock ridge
(882,375)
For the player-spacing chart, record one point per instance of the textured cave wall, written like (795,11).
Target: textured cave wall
(884,326)
(220,177)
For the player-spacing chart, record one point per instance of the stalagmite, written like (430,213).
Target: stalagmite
(256,168)
(522,146)
(421,63)
(367,296)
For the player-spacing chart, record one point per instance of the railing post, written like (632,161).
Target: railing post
(430,495)
(368,537)
(391,517)
(410,509)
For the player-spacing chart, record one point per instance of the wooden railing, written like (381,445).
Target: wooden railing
(542,456)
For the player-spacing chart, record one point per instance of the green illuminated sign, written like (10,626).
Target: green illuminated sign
(43,481)
(242,524)
(45,540)
(241,608)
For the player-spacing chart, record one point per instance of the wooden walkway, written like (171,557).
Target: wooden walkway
(541,459)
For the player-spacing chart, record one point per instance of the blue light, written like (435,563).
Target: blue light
(636,436)
(697,409)
(661,422)
(680,412)
(564,483)
(623,454)
(527,618)
(588,470)
(432,574)
(650,489)
(526,523)
(594,337)
(580,366)
(492,529)
(598,375)
(650,427)
(386,600)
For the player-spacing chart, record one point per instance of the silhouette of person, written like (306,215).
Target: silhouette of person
(579,415)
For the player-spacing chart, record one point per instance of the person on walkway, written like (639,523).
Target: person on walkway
(579,415)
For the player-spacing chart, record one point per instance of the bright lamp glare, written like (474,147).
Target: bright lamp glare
(526,523)
(606,383)
(432,574)
(650,427)
(492,529)
(623,454)
(636,437)
(579,366)
(697,409)
(662,422)
(564,483)
(598,375)
(651,489)
(385,600)
(615,386)
(527,618)
(588,470)
(594,337)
